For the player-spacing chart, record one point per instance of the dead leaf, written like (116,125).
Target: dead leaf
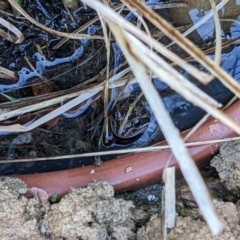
(30,117)
(40,87)
(52,122)
(39,194)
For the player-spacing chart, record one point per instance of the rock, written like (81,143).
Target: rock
(91,213)
(189,229)
(152,230)
(227,164)
(11,188)
(18,215)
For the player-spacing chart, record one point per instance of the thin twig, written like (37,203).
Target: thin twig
(20,37)
(187,45)
(218,33)
(131,107)
(52,31)
(82,96)
(82,28)
(169,5)
(121,151)
(106,86)
(7,74)
(188,167)
(202,20)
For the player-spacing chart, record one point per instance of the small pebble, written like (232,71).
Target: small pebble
(151,198)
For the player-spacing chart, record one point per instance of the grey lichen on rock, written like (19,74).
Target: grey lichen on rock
(188,229)
(18,215)
(91,213)
(152,230)
(11,188)
(227,164)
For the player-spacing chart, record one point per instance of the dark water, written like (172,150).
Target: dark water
(80,132)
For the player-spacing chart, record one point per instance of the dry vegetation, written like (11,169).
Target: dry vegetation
(141,52)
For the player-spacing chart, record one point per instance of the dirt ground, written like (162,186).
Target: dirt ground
(95,213)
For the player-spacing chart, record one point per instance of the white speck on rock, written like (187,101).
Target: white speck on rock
(129,169)
(151,198)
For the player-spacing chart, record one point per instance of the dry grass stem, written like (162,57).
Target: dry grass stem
(189,134)
(230,103)
(206,117)
(44,79)
(169,5)
(225,45)
(189,169)
(82,96)
(174,79)
(204,19)
(143,61)
(7,74)
(187,45)
(170,132)
(19,128)
(39,49)
(200,75)
(131,107)
(157,34)
(29,63)
(106,86)
(169,197)
(197,126)
(217,33)
(168,78)
(54,32)
(122,151)
(69,12)
(23,103)
(20,37)
(82,28)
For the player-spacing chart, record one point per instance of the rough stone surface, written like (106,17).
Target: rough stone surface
(227,164)
(11,188)
(189,229)
(91,213)
(152,230)
(18,215)
(94,213)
